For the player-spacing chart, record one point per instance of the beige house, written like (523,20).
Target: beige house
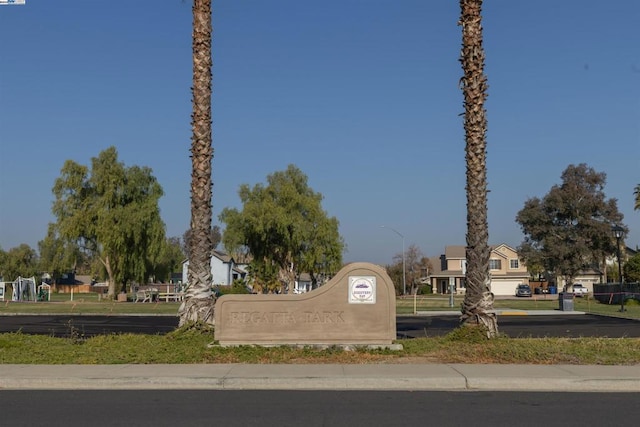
(506,269)
(586,278)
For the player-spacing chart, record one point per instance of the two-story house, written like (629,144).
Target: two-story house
(506,270)
(224,269)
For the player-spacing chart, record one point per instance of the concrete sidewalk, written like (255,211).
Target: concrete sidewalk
(441,377)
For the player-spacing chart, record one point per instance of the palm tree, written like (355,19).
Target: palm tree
(637,193)
(199,301)
(478,300)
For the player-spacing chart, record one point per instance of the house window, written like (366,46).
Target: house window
(495,264)
(514,263)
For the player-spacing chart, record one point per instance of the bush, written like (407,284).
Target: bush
(237,287)
(425,289)
(470,334)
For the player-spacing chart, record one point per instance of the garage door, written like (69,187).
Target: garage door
(504,287)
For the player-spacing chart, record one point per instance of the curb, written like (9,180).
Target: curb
(391,377)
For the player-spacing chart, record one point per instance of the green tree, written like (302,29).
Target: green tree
(19,261)
(111,212)
(169,260)
(478,301)
(284,229)
(198,305)
(569,229)
(57,255)
(263,277)
(632,269)
(321,249)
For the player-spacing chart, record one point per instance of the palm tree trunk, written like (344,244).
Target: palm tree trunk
(478,301)
(199,299)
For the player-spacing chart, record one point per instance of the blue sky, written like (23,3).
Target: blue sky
(361,95)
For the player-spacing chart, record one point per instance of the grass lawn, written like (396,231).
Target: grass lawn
(190,346)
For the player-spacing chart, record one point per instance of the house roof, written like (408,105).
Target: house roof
(497,253)
(502,245)
(510,275)
(452,252)
(239,270)
(304,277)
(436,266)
(448,273)
(243,258)
(460,251)
(439,264)
(222,256)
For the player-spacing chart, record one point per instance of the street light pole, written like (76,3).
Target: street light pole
(404,282)
(618,232)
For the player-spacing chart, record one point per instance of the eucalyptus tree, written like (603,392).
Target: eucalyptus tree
(478,300)
(111,212)
(199,301)
(284,230)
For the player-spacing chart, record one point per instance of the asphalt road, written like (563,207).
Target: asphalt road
(535,326)
(315,408)
(87,325)
(573,326)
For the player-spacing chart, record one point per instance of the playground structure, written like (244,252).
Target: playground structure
(24,289)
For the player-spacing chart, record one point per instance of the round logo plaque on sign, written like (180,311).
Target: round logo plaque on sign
(362,290)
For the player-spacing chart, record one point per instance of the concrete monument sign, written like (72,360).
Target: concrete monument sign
(357,306)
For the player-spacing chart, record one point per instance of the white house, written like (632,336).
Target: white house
(302,284)
(224,269)
(587,278)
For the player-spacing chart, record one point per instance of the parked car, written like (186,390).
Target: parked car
(540,290)
(580,290)
(523,290)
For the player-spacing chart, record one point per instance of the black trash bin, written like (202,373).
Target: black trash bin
(565,300)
